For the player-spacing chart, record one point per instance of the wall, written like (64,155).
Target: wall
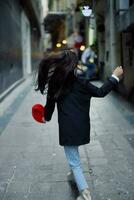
(112,40)
(36,48)
(119,49)
(10,43)
(128,62)
(21,41)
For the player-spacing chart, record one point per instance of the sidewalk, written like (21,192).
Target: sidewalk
(111,150)
(33,165)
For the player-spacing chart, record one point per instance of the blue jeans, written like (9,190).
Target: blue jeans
(73,158)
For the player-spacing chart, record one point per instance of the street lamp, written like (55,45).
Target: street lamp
(86,11)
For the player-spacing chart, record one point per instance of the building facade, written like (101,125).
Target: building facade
(60,21)
(115,30)
(20,38)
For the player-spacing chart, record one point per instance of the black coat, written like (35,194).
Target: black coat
(73,110)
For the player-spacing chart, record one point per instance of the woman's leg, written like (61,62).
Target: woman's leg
(73,158)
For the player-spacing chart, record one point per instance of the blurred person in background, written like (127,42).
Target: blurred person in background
(89,59)
(58,77)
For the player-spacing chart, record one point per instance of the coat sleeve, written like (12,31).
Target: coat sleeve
(49,109)
(103,90)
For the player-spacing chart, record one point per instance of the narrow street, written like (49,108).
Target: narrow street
(33,165)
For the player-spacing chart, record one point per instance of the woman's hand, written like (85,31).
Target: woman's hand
(118,71)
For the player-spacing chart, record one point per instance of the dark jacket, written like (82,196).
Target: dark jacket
(73,110)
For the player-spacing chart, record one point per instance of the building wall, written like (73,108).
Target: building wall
(61,5)
(10,44)
(20,39)
(111,41)
(122,48)
(65,20)
(36,48)
(34,12)
(128,62)
(44,8)
(119,46)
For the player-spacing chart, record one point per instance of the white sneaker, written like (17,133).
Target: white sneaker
(85,195)
(70,177)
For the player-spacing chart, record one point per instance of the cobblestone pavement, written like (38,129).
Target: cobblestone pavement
(33,165)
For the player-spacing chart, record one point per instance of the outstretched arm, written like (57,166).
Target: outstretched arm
(103,90)
(107,86)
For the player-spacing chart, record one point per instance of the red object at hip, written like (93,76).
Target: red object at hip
(38,112)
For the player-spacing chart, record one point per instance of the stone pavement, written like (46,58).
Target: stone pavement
(33,165)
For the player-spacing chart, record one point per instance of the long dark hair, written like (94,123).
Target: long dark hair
(55,72)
